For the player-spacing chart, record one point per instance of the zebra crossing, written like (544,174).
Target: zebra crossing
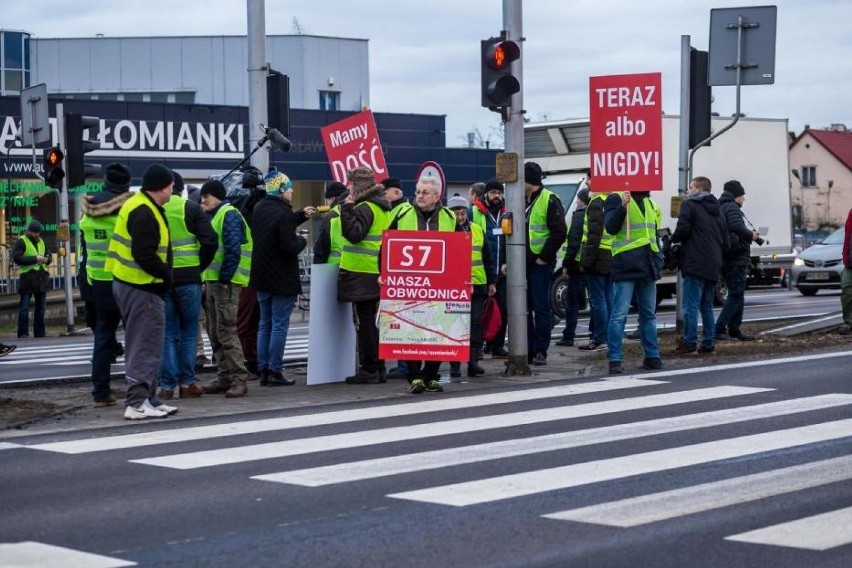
(700,412)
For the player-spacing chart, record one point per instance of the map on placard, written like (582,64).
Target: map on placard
(424,330)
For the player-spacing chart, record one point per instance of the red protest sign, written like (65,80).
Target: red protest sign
(425,298)
(626,132)
(354,142)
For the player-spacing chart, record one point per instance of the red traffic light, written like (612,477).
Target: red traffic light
(501,53)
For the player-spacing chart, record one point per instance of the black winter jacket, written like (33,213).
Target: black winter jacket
(575,241)
(739,254)
(144,230)
(593,259)
(34,281)
(639,264)
(355,223)
(275,256)
(703,234)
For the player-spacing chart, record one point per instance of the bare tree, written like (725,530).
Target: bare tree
(297,27)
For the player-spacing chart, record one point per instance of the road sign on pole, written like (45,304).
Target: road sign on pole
(748,33)
(35,124)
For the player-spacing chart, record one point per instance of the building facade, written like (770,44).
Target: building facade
(821,177)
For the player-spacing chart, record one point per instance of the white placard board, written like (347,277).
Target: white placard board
(332,341)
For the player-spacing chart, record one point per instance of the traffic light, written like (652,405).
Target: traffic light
(498,83)
(53,172)
(700,99)
(77,147)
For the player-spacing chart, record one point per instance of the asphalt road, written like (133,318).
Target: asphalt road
(735,465)
(68,357)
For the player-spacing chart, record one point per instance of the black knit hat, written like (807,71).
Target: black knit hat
(493,184)
(334,189)
(35,226)
(532,173)
(178,187)
(215,188)
(156,177)
(735,188)
(117,177)
(583,195)
(391,182)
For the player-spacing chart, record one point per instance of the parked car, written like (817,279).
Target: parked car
(819,266)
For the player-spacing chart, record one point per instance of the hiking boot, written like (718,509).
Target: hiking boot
(264,377)
(166,394)
(143,411)
(703,349)
(216,387)
(190,391)
(104,402)
(615,368)
(722,335)
(455,369)
(434,386)
(652,363)
(417,386)
(499,353)
(238,389)
(362,377)
(474,370)
(277,379)
(684,349)
(539,359)
(565,342)
(741,337)
(593,345)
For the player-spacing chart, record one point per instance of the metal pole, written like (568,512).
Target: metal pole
(516,243)
(257,72)
(683,153)
(64,218)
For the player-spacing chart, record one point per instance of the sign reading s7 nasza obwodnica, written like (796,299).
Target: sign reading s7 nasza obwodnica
(626,132)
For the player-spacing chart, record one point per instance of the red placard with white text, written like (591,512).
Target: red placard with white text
(424,314)
(626,132)
(354,142)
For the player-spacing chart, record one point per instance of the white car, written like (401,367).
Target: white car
(819,266)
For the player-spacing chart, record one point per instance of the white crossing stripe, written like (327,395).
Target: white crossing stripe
(9,446)
(407,463)
(336,417)
(820,532)
(530,483)
(708,496)
(269,450)
(21,554)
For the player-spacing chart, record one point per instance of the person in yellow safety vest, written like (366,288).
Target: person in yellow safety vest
(394,194)
(30,254)
(425,214)
(363,219)
(224,280)
(193,247)
(488,211)
(596,263)
(484,280)
(100,214)
(633,221)
(140,260)
(328,243)
(575,293)
(546,231)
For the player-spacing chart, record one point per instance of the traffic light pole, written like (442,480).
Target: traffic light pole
(683,155)
(257,72)
(516,243)
(63,218)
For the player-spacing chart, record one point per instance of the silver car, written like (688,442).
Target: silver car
(820,265)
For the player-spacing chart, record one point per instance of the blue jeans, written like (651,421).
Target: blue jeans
(731,316)
(539,313)
(646,298)
(600,305)
(107,319)
(275,310)
(698,296)
(573,300)
(38,314)
(182,307)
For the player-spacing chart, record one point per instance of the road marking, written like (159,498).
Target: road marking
(708,496)
(533,482)
(9,446)
(407,463)
(337,417)
(21,554)
(820,532)
(209,458)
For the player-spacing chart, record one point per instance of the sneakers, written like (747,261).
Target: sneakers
(190,391)
(593,346)
(417,386)
(652,363)
(703,349)
(362,377)
(539,359)
(170,410)
(565,342)
(6,349)
(143,411)
(104,402)
(615,368)
(434,386)
(684,349)
(277,379)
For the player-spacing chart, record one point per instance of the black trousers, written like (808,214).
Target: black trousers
(368,334)
(503,304)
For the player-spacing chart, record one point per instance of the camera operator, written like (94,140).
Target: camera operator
(735,263)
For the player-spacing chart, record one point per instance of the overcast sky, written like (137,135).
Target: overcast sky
(424,56)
